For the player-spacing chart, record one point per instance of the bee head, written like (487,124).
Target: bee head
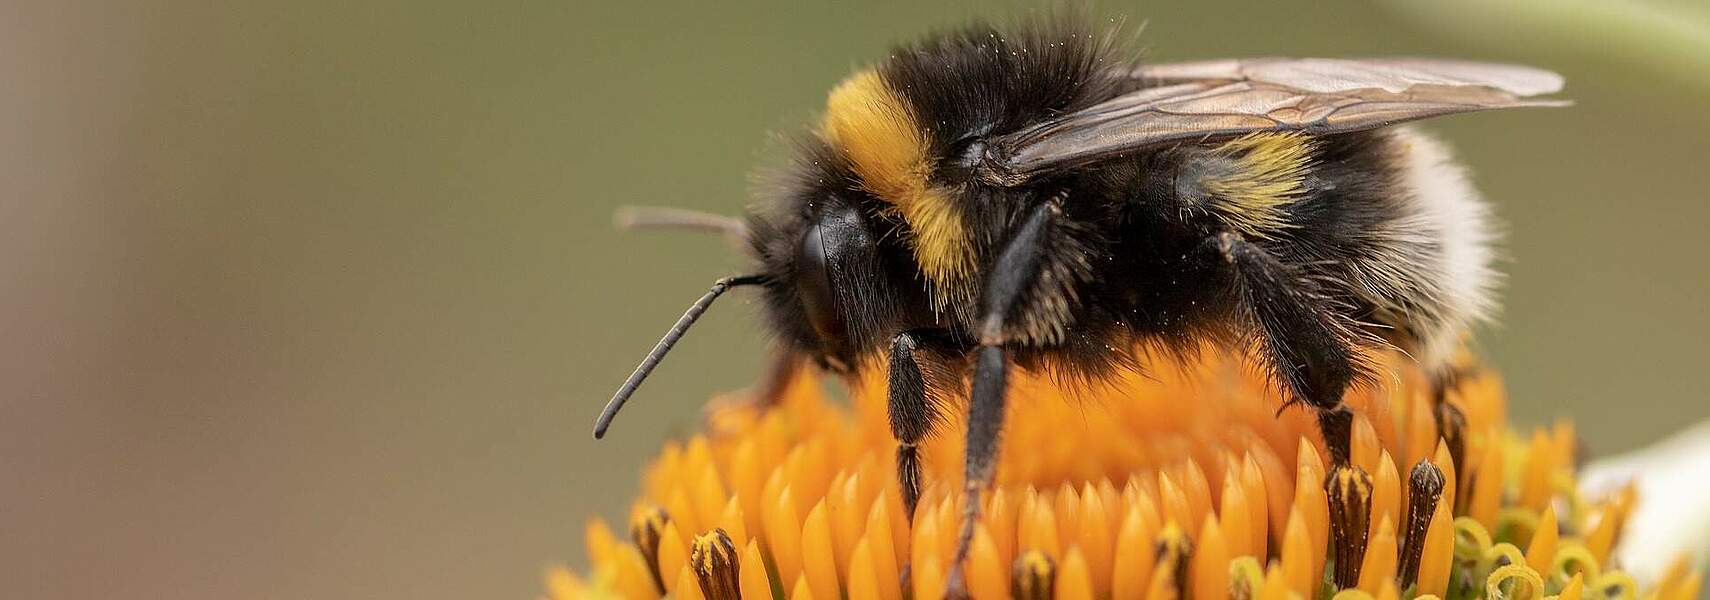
(913,129)
(839,278)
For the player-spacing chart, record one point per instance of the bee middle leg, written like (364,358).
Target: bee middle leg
(1013,279)
(1303,339)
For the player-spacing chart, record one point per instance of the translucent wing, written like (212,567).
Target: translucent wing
(1227,98)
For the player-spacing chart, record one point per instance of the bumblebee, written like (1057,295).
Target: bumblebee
(1036,198)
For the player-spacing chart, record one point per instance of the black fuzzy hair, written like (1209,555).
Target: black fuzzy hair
(980,80)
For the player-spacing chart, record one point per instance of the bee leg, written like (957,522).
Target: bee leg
(1301,339)
(912,413)
(1013,276)
(1451,420)
(985,427)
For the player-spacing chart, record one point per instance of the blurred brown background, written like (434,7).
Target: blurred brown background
(313,300)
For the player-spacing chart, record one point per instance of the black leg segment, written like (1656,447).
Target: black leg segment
(1013,277)
(913,413)
(1302,339)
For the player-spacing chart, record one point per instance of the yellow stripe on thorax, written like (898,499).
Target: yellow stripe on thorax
(887,148)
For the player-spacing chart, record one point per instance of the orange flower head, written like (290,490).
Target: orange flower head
(1184,483)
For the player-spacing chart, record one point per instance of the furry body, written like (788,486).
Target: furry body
(1034,198)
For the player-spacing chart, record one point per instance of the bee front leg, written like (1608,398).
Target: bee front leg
(1303,339)
(913,412)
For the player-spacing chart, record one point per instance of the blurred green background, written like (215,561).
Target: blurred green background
(319,299)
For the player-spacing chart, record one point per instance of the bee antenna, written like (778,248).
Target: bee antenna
(660,217)
(658,353)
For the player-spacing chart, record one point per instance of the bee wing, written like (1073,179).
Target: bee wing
(1228,98)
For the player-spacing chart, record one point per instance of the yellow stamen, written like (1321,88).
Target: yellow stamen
(677,503)
(844,510)
(783,534)
(684,585)
(734,523)
(1388,591)
(1386,492)
(1279,490)
(1421,432)
(1094,540)
(1277,585)
(1198,490)
(1364,447)
(1210,564)
(1253,490)
(1486,499)
(987,575)
(818,561)
(1235,516)
(1602,536)
(752,573)
(1309,498)
(1444,459)
(1074,582)
(1573,589)
(999,519)
(1379,564)
(601,544)
(673,554)
(1541,551)
(864,578)
(801,591)
(927,574)
(1535,479)
(633,577)
(1134,553)
(882,552)
(1297,556)
(1176,508)
(1039,530)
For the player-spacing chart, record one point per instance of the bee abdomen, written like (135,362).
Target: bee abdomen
(1245,185)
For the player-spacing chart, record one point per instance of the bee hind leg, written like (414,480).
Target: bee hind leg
(1301,337)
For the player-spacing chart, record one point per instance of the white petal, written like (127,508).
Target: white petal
(1673,514)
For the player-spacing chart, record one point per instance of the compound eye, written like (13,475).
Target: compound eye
(815,287)
(832,251)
